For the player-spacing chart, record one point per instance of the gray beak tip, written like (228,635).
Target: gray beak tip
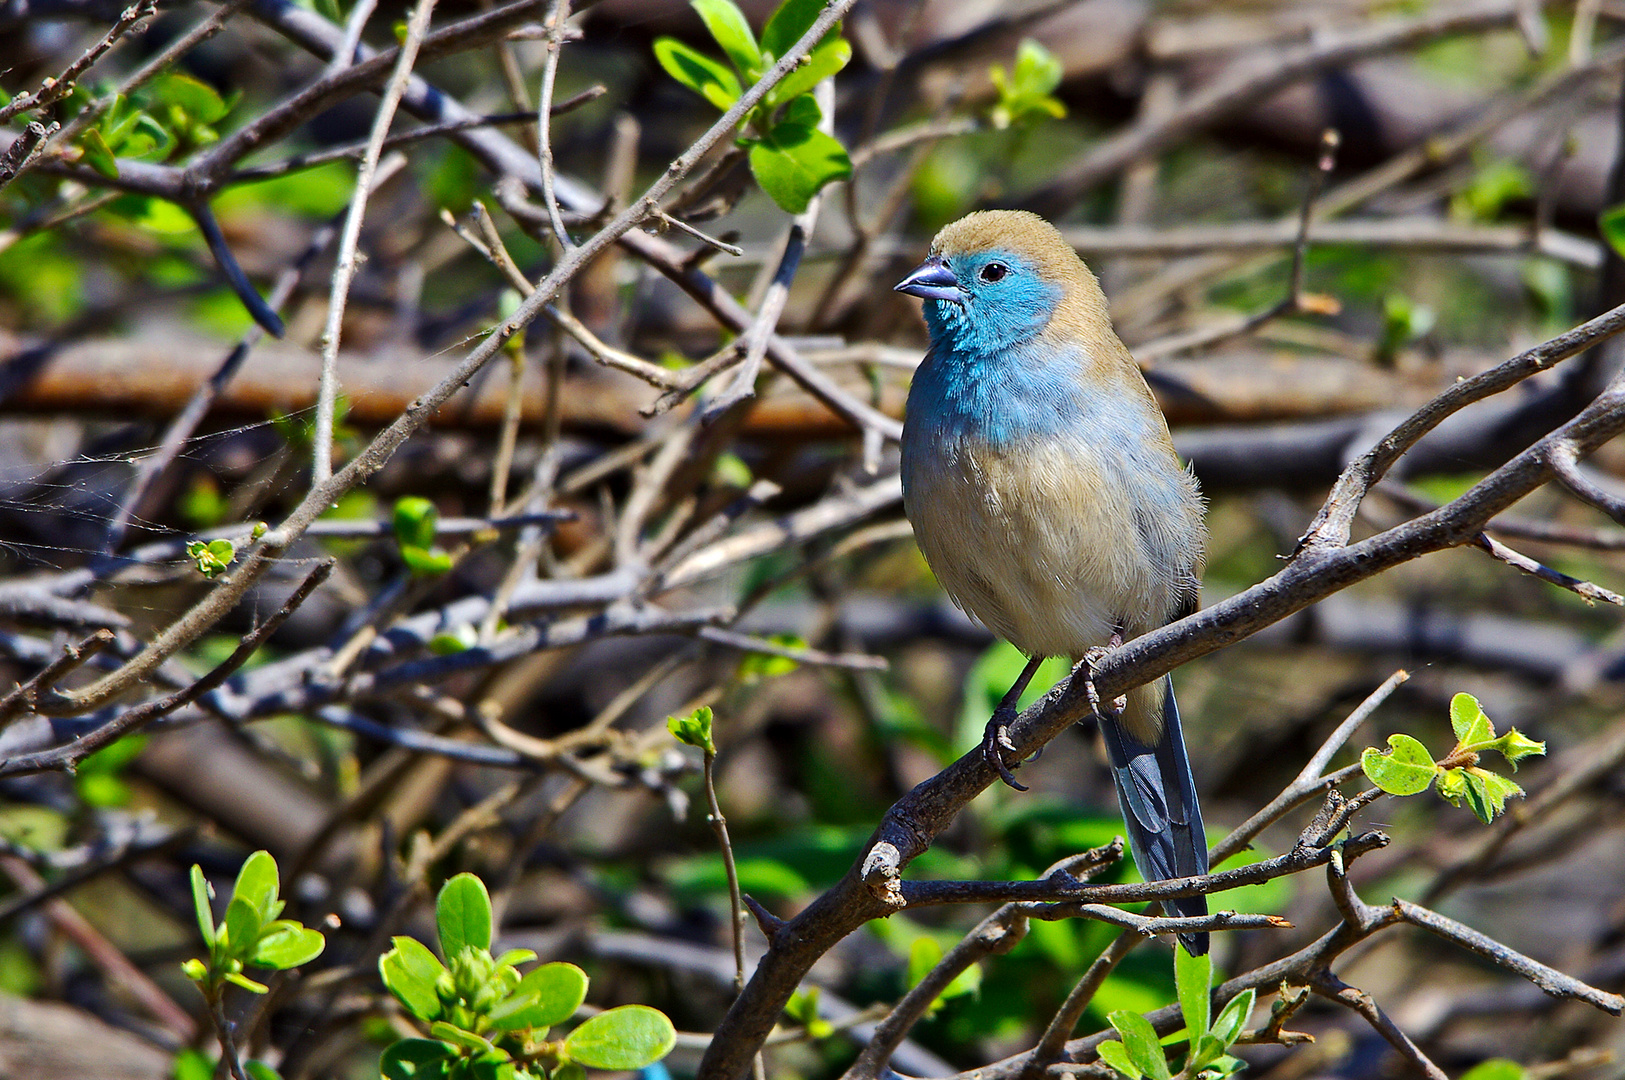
(931,280)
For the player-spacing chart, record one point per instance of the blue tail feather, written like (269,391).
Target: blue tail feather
(1161,809)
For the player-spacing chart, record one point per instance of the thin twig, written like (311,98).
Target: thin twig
(345,266)
(558,14)
(1587,591)
(53,90)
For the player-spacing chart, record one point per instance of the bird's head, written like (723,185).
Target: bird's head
(998,278)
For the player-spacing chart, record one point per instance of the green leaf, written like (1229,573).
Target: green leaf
(515,957)
(1233,1018)
(694,729)
(1473,729)
(1612,224)
(198,101)
(728,26)
(97,154)
(1515,746)
(923,954)
(212,556)
(1453,786)
(287,946)
(425,562)
(786,26)
(242,926)
(1038,72)
(1493,186)
(1496,1069)
(463,914)
(200,903)
(698,72)
(1141,1042)
(1115,1054)
(628,1037)
(459,638)
(410,972)
(239,979)
(555,991)
(195,969)
(259,1070)
(414,519)
(830,56)
(1193,977)
(258,884)
(192,1065)
(1487,793)
(1205,1050)
(1405,769)
(794,162)
(417,1059)
(459,1036)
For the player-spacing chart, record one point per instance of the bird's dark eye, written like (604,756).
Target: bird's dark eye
(993,271)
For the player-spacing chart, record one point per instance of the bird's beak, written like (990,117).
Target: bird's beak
(932,280)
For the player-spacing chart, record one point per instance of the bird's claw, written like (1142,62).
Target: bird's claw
(1115,708)
(996,741)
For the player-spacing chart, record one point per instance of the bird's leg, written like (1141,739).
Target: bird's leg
(996,737)
(1090,659)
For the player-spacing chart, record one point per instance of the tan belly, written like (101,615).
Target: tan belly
(1040,547)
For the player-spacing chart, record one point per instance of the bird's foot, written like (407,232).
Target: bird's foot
(996,743)
(1115,707)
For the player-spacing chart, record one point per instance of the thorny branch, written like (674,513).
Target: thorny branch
(660,538)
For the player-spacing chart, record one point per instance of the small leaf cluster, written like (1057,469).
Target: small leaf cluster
(1140,1053)
(790,158)
(252,935)
(1030,91)
(169,117)
(1407,768)
(211,556)
(487,1022)
(414,521)
(694,730)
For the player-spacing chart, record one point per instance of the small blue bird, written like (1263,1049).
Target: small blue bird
(1046,495)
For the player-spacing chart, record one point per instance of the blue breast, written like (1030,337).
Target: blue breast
(1001,398)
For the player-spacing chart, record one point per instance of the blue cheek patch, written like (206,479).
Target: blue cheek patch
(995,316)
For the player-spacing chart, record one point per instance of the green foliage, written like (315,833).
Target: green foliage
(1140,1054)
(1494,184)
(803,1009)
(1407,768)
(924,954)
(756,666)
(1403,321)
(486,1020)
(1496,1069)
(1027,93)
(252,935)
(790,158)
(97,780)
(169,117)
(694,729)
(988,680)
(414,520)
(1612,224)
(211,556)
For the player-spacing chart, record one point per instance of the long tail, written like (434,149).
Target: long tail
(1160,808)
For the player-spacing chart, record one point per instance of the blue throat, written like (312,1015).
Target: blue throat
(1026,392)
(988,376)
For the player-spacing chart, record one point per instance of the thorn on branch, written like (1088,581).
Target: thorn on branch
(766,921)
